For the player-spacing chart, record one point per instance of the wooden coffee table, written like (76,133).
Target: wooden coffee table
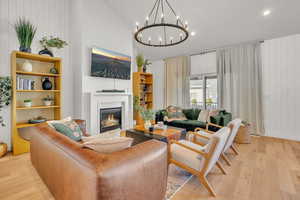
(139,134)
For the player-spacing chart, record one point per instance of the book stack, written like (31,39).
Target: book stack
(25,84)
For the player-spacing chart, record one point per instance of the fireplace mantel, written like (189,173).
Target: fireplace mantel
(100,100)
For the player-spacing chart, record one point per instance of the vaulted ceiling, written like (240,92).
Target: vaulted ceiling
(217,23)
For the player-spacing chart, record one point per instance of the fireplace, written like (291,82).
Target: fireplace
(110,119)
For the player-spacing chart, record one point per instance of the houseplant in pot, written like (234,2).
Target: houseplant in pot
(5,95)
(47,100)
(140,62)
(147,115)
(28,103)
(25,33)
(50,43)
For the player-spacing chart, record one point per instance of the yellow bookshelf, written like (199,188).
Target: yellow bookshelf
(20,114)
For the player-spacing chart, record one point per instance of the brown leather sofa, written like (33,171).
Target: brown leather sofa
(75,173)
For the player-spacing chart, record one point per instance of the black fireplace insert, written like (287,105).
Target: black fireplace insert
(110,119)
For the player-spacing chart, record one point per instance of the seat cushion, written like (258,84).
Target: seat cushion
(186,156)
(189,125)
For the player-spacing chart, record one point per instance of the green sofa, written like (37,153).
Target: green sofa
(192,115)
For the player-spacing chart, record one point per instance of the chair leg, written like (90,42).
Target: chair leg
(225,159)
(220,166)
(234,149)
(206,184)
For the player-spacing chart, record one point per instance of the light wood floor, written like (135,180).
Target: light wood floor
(267,169)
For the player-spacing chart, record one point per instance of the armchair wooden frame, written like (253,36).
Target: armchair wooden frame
(223,155)
(206,156)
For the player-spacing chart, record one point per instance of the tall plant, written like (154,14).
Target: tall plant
(140,61)
(5,95)
(25,32)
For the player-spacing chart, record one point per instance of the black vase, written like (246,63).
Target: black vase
(47,85)
(25,49)
(46,52)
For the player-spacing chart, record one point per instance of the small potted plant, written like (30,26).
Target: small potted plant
(50,44)
(27,103)
(140,62)
(147,115)
(25,33)
(47,100)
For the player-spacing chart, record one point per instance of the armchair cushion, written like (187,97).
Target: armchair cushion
(186,156)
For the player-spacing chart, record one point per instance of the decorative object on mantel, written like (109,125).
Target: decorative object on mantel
(48,44)
(47,100)
(140,62)
(148,115)
(163,27)
(28,103)
(3,149)
(146,64)
(46,84)
(25,32)
(27,66)
(5,94)
(111,91)
(37,120)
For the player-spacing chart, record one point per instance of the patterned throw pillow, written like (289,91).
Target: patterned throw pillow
(70,129)
(175,113)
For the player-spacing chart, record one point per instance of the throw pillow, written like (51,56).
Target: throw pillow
(109,134)
(62,121)
(174,113)
(203,115)
(70,129)
(212,113)
(109,145)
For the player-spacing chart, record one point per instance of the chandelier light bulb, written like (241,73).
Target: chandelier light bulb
(180,35)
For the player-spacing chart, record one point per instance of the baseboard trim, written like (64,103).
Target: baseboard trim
(276,138)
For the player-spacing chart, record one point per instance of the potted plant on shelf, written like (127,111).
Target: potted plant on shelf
(47,100)
(50,44)
(25,32)
(5,94)
(140,62)
(27,103)
(147,115)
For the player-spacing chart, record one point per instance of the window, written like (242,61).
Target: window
(204,91)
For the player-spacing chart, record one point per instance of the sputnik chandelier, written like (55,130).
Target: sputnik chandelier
(162,27)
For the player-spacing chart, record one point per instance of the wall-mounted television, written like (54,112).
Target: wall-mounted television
(109,64)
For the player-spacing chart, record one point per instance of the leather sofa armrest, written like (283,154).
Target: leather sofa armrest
(144,165)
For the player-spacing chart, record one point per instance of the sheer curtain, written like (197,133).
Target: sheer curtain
(177,81)
(239,72)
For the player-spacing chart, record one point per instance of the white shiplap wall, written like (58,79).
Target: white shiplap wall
(51,18)
(281,86)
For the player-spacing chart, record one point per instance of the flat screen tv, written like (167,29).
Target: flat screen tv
(110,64)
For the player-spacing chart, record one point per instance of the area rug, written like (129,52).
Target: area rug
(177,178)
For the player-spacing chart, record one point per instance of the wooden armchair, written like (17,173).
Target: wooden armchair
(198,159)
(234,125)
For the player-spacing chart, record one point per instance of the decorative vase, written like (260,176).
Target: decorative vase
(47,103)
(28,104)
(147,124)
(140,69)
(46,85)
(3,149)
(144,69)
(27,66)
(25,49)
(46,52)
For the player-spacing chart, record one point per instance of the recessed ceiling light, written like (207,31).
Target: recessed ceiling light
(193,33)
(266,12)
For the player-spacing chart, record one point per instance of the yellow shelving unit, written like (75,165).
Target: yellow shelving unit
(20,114)
(143,89)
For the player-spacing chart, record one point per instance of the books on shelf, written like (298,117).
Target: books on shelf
(25,84)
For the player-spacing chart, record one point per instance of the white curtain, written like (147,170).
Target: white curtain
(239,71)
(177,81)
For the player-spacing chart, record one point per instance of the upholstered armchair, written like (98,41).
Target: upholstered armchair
(234,125)
(199,160)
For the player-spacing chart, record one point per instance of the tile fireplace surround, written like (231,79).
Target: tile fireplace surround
(99,100)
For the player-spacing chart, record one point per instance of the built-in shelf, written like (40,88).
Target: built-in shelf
(36,57)
(38,90)
(37,74)
(36,107)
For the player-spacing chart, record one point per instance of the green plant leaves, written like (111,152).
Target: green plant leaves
(5,94)
(25,32)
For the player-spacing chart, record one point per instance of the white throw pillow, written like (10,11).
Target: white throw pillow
(109,134)
(203,115)
(62,121)
(109,145)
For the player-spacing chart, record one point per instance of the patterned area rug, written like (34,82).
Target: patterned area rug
(177,178)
